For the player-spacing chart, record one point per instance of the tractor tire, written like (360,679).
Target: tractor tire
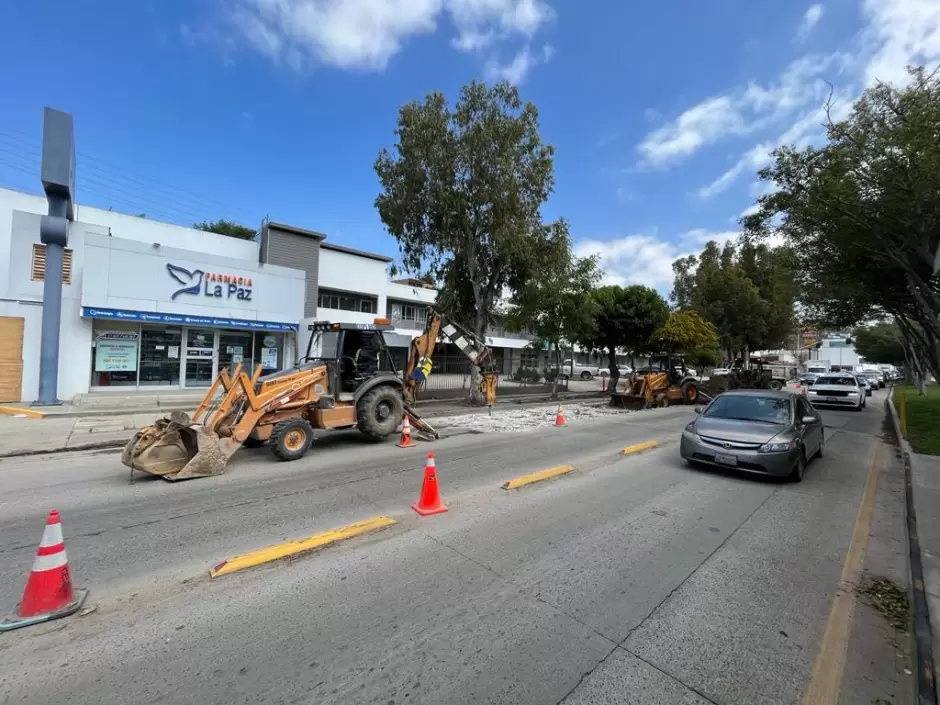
(775,384)
(379,412)
(253,442)
(291,439)
(688,392)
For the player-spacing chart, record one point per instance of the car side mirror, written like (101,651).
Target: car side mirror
(809,419)
(697,410)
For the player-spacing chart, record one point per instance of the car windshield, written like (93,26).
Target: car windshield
(840,381)
(747,407)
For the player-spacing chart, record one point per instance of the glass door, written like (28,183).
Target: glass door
(199,364)
(160,356)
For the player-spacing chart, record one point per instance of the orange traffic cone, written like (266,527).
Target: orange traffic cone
(560,417)
(405,441)
(48,594)
(430,502)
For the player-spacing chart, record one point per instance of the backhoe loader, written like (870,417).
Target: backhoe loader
(668,382)
(347,379)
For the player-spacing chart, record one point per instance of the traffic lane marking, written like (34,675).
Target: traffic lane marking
(826,680)
(523,480)
(298,546)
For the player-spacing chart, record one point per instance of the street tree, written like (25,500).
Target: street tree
(685,332)
(556,306)
(880,343)
(226,227)
(625,319)
(746,292)
(862,216)
(462,191)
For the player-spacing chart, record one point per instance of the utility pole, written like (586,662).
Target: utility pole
(58,181)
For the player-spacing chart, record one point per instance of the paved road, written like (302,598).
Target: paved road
(633,580)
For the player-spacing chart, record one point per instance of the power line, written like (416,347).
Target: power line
(113,177)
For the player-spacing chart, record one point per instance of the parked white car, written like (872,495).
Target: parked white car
(624,370)
(569,368)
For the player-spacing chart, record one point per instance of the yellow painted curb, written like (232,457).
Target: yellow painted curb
(638,447)
(537,476)
(290,548)
(18,411)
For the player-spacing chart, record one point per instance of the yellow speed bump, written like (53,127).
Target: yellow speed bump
(639,447)
(19,411)
(537,476)
(291,548)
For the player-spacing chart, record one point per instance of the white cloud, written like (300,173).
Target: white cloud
(645,258)
(518,68)
(743,111)
(366,34)
(899,33)
(810,20)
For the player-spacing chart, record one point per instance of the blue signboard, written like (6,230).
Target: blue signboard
(116,314)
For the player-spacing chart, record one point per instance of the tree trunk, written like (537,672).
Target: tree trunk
(479,328)
(614,370)
(558,371)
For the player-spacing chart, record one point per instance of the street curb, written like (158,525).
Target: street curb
(429,404)
(923,633)
(100,445)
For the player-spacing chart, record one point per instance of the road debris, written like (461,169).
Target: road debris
(891,601)
(515,420)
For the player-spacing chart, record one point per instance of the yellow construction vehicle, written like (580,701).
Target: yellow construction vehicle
(666,382)
(347,379)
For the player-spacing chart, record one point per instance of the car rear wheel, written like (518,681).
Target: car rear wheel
(586,375)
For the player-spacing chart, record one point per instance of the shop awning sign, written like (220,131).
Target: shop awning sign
(184,320)
(211,284)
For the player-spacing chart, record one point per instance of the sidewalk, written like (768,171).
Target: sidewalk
(924,536)
(60,432)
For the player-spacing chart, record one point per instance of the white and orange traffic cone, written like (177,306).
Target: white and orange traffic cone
(405,441)
(560,417)
(48,594)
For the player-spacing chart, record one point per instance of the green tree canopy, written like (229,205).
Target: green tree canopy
(625,319)
(462,192)
(880,343)
(745,291)
(686,332)
(862,215)
(226,227)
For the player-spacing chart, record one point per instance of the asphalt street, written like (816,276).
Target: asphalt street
(633,579)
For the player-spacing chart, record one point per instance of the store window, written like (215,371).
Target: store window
(236,347)
(270,348)
(160,356)
(115,359)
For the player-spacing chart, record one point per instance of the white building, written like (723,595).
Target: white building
(150,305)
(145,304)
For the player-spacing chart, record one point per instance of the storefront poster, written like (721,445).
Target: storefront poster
(268,358)
(116,351)
(173,352)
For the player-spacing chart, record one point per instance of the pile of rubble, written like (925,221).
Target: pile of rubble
(514,420)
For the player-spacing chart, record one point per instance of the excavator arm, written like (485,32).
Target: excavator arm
(422,350)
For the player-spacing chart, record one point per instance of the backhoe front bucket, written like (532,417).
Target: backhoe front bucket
(175,449)
(630,402)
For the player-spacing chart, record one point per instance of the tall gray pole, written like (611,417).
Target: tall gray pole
(58,181)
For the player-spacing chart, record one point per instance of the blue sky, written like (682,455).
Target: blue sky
(661,113)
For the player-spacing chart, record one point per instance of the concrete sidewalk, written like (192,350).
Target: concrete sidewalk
(924,537)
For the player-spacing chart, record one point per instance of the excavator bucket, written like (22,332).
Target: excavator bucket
(176,449)
(634,397)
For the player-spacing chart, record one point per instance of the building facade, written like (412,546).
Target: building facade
(146,305)
(149,305)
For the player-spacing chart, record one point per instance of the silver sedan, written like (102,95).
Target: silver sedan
(756,430)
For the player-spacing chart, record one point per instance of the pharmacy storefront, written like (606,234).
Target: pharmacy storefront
(173,318)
